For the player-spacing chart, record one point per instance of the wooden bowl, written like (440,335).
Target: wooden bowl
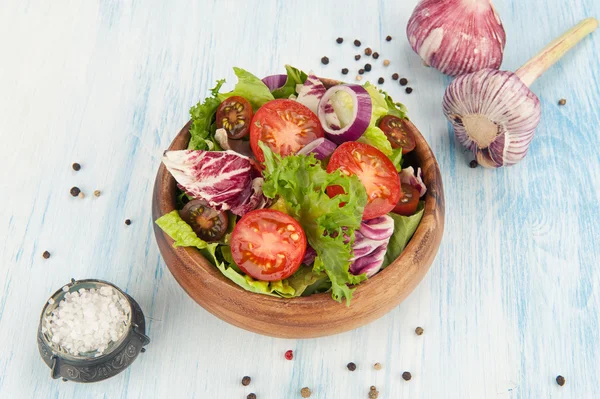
(316,315)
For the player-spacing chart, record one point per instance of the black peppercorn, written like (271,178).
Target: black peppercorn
(75,191)
(562,101)
(76,166)
(380,81)
(251,396)
(357,43)
(560,380)
(46,254)
(376,55)
(127,222)
(351,366)
(345,71)
(419,330)
(361,71)
(357,57)
(388,38)
(403,82)
(473,164)
(367,67)
(409,90)
(339,40)
(246,381)
(395,76)
(368,51)
(407,376)
(324,60)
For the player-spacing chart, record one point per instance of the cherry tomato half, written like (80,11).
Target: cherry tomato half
(234,115)
(399,132)
(409,201)
(375,171)
(268,244)
(208,223)
(285,126)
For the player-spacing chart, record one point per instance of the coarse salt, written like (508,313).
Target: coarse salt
(88,320)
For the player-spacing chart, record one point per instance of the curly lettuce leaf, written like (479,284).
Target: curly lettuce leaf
(404,228)
(301,182)
(378,102)
(294,77)
(250,87)
(203,128)
(377,138)
(396,109)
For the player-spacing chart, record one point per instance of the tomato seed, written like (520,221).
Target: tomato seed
(339,40)
(289,355)
(325,60)
(46,254)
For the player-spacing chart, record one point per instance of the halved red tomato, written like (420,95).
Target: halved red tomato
(409,201)
(285,126)
(398,132)
(375,171)
(268,244)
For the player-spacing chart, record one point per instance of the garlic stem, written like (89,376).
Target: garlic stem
(535,67)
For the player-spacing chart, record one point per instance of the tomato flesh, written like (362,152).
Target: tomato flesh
(375,171)
(234,115)
(398,132)
(409,201)
(285,126)
(268,245)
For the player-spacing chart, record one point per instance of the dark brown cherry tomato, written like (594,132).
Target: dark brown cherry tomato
(409,201)
(208,223)
(234,115)
(398,133)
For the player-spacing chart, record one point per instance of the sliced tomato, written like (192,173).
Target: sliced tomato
(375,171)
(234,115)
(208,223)
(268,244)
(285,126)
(409,201)
(399,132)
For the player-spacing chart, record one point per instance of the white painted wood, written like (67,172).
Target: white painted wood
(512,300)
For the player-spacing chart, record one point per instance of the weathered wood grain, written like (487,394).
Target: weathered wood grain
(512,299)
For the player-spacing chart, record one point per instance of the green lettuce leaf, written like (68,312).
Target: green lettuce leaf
(396,158)
(203,128)
(302,183)
(250,87)
(404,228)
(378,102)
(377,138)
(294,77)
(396,109)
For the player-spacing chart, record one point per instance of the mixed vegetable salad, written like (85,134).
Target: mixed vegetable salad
(291,188)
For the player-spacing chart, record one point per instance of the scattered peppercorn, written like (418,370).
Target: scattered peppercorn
(376,55)
(368,51)
(357,43)
(76,166)
(127,222)
(407,376)
(388,38)
(419,330)
(377,366)
(251,396)
(367,67)
(395,76)
(473,164)
(305,392)
(81,195)
(75,191)
(289,355)
(358,77)
(380,81)
(97,193)
(246,381)
(357,57)
(403,82)
(324,60)
(386,62)
(345,71)
(339,40)
(408,90)
(562,101)
(351,366)
(373,392)
(361,71)
(46,254)
(373,388)
(560,380)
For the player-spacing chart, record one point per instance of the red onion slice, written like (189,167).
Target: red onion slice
(361,113)
(274,82)
(321,147)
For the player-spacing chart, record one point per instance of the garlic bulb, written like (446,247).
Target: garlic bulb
(457,36)
(494,114)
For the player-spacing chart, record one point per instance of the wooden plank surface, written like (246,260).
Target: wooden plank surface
(512,300)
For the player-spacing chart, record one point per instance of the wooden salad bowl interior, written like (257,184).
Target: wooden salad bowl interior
(316,315)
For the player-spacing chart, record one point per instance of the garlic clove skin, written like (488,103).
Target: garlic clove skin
(494,114)
(457,36)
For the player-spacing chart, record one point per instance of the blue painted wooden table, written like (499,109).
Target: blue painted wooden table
(512,300)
